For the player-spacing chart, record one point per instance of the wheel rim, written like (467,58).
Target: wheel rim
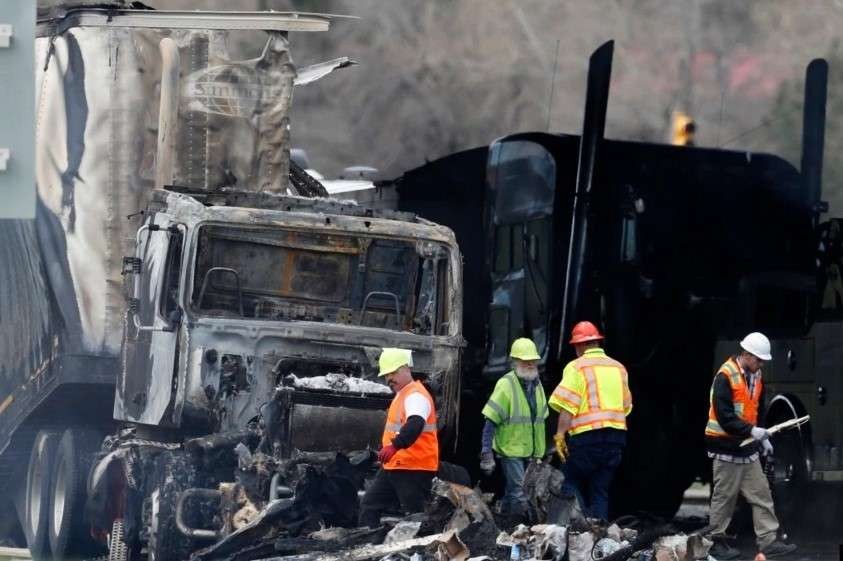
(59,495)
(789,470)
(35,490)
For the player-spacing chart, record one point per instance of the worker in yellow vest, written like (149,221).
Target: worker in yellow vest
(409,452)
(514,429)
(593,401)
(735,403)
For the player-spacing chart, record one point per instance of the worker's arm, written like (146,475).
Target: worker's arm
(627,395)
(562,426)
(497,407)
(724,409)
(568,395)
(409,432)
(487,436)
(564,423)
(417,409)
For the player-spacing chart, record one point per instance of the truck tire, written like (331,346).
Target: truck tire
(69,536)
(790,485)
(38,478)
(174,472)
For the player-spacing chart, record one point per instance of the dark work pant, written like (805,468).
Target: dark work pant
(589,472)
(514,500)
(393,490)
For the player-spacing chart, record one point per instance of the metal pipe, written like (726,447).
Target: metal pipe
(813,132)
(198,533)
(594,122)
(168,111)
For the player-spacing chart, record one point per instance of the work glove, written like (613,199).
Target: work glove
(487,463)
(386,453)
(759,434)
(766,447)
(561,446)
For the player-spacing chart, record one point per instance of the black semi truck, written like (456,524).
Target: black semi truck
(676,252)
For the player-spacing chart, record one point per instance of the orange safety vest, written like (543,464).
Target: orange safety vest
(746,404)
(606,399)
(423,454)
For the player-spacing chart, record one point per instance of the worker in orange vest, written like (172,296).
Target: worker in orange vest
(736,399)
(409,452)
(593,400)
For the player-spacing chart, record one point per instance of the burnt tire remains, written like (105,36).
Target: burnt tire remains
(38,485)
(69,535)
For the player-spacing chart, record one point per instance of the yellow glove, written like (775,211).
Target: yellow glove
(561,446)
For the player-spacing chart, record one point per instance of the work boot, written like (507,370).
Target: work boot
(778,548)
(722,551)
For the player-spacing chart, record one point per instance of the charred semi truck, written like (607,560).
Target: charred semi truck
(183,321)
(677,252)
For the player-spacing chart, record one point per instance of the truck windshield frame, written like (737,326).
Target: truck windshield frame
(281,274)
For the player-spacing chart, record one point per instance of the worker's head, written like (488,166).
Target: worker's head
(394,365)
(584,336)
(525,358)
(755,350)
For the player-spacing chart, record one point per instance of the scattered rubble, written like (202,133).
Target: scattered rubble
(316,523)
(543,486)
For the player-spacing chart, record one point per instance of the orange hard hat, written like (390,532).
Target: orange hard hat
(585,331)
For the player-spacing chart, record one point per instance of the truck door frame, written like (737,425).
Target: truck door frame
(151,339)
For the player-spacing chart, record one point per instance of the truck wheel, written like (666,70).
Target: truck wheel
(38,478)
(69,535)
(790,476)
(174,473)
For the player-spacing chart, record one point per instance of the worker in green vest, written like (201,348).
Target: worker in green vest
(514,429)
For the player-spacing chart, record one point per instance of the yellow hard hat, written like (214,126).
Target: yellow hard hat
(524,349)
(392,359)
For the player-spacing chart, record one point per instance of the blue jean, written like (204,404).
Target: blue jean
(514,501)
(588,473)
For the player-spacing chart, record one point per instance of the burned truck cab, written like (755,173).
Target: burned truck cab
(268,312)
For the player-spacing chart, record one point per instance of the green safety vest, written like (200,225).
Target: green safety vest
(518,433)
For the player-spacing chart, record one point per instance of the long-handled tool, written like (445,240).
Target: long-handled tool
(792,423)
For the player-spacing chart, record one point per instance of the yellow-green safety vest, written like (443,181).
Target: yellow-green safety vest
(518,433)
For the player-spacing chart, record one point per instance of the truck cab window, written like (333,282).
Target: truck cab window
(313,276)
(172,271)
(522,178)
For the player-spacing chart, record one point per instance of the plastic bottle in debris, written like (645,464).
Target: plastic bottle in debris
(515,552)
(416,557)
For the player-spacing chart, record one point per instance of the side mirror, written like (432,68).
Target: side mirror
(173,319)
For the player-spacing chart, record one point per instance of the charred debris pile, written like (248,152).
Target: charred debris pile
(312,517)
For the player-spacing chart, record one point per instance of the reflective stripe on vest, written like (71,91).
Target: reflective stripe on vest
(603,405)
(423,454)
(746,405)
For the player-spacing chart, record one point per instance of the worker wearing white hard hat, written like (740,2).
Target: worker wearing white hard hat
(735,411)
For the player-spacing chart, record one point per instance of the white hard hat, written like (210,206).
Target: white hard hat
(757,344)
